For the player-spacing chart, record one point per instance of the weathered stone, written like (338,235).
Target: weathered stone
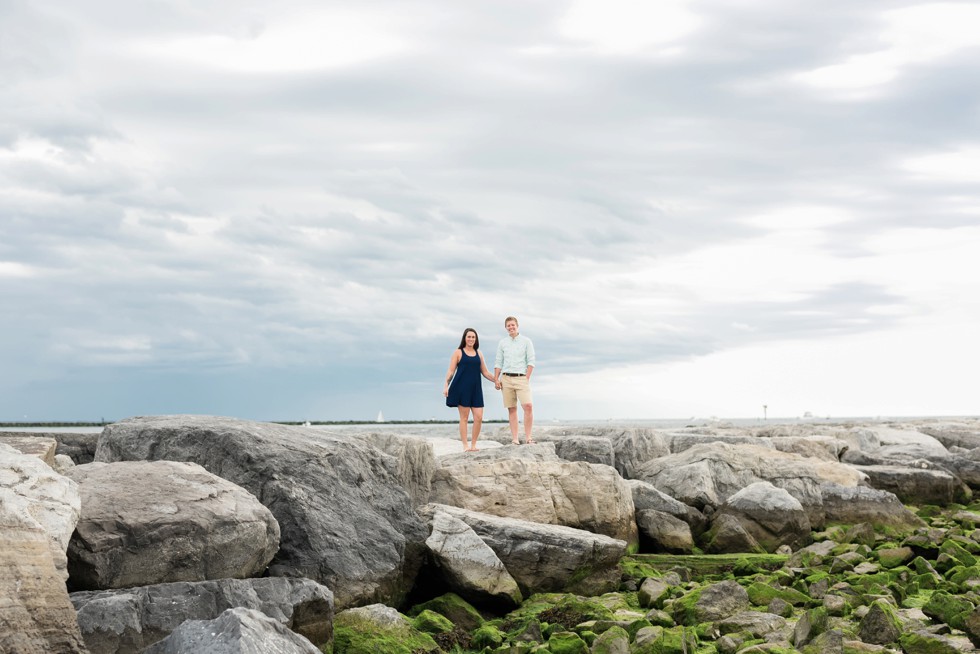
(80,447)
(236,631)
(770,515)
(916,485)
(614,640)
(468,564)
(580,495)
(810,625)
(35,614)
(828,642)
(647,496)
(756,623)
(416,461)
(850,505)
(42,448)
(881,625)
(380,628)
(632,446)
(152,522)
(729,536)
(653,591)
(50,499)
(711,603)
(546,558)
(345,517)
(128,621)
(661,532)
(590,449)
(708,474)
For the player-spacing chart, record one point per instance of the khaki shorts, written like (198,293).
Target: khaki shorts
(515,389)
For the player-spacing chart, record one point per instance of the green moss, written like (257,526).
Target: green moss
(636,625)
(567,642)
(353,634)
(432,623)
(919,643)
(959,575)
(761,594)
(615,639)
(486,636)
(893,557)
(704,566)
(948,608)
(453,607)
(958,552)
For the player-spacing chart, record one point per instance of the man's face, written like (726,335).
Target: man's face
(511,327)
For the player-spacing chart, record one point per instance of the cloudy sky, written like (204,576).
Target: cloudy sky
(291,210)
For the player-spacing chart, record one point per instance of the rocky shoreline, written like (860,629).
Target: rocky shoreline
(207,534)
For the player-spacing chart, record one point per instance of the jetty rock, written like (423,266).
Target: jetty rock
(151,522)
(236,631)
(345,518)
(532,483)
(545,558)
(468,565)
(48,498)
(127,621)
(708,474)
(36,616)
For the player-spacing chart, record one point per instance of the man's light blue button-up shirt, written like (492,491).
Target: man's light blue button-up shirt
(514,354)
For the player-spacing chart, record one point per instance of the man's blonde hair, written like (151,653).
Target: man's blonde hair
(509,318)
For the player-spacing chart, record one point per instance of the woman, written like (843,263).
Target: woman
(463,388)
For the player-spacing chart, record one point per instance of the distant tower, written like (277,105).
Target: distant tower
(765,408)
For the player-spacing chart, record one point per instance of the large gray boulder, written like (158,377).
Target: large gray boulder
(546,558)
(48,498)
(35,614)
(416,461)
(770,515)
(708,474)
(153,522)
(80,447)
(632,446)
(236,631)
(573,494)
(965,434)
(854,505)
(468,565)
(345,517)
(662,532)
(590,449)
(128,621)
(892,444)
(41,448)
(646,496)
(917,485)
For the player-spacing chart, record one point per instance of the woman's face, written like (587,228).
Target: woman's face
(470,339)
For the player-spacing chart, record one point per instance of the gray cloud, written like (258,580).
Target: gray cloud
(303,233)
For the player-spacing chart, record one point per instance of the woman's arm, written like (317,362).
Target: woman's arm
(453,361)
(483,368)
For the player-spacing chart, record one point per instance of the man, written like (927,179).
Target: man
(512,370)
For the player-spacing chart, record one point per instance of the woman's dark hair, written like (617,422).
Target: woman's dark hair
(462,341)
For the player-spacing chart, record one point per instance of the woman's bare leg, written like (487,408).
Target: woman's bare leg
(464,417)
(477,424)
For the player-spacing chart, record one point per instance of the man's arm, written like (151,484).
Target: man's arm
(529,357)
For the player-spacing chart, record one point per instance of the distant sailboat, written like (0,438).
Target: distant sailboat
(381,417)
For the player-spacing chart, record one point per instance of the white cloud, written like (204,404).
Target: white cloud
(296,42)
(920,35)
(961,165)
(629,26)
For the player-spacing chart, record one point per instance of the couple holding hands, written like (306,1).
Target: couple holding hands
(512,368)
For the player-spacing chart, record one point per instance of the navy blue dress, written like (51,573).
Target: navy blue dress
(466,388)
